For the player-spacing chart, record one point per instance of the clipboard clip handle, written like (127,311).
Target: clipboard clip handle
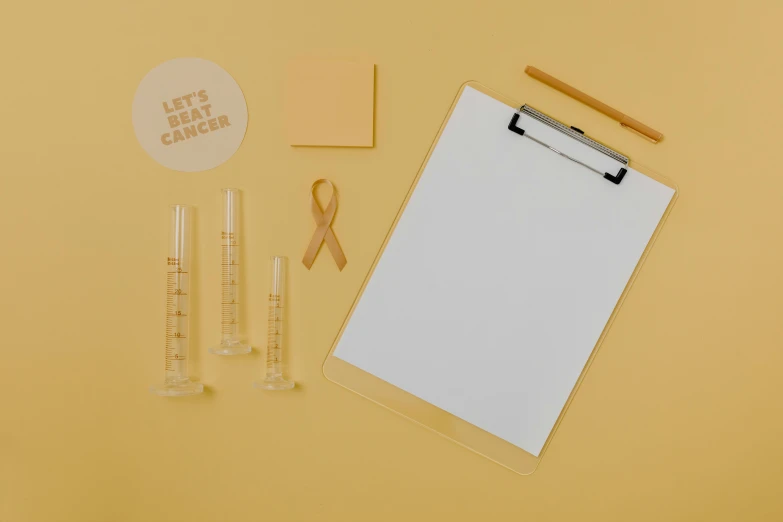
(571,132)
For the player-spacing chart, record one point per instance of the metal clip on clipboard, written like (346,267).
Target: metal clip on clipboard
(571,132)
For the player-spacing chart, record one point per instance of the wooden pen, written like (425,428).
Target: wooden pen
(625,121)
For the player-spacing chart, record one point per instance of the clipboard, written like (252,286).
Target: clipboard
(414,357)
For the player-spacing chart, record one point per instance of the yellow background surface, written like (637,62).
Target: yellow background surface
(679,418)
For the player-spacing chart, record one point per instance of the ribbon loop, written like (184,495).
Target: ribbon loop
(323,232)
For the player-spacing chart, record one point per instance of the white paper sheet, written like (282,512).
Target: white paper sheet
(502,272)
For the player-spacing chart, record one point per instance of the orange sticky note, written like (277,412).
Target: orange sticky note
(330,103)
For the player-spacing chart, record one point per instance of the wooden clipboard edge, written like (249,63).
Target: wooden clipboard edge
(431,417)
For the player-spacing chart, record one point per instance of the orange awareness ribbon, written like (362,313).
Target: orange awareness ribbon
(323,233)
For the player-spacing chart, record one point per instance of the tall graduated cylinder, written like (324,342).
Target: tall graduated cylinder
(178,291)
(231,342)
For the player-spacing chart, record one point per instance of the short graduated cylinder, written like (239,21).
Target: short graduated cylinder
(231,343)
(178,290)
(275,366)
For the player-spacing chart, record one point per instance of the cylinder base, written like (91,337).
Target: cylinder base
(231,348)
(274,384)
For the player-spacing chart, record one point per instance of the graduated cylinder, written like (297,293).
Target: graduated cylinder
(275,378)
(231,342)
(178,291)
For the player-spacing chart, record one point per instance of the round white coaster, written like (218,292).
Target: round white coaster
(189,114)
